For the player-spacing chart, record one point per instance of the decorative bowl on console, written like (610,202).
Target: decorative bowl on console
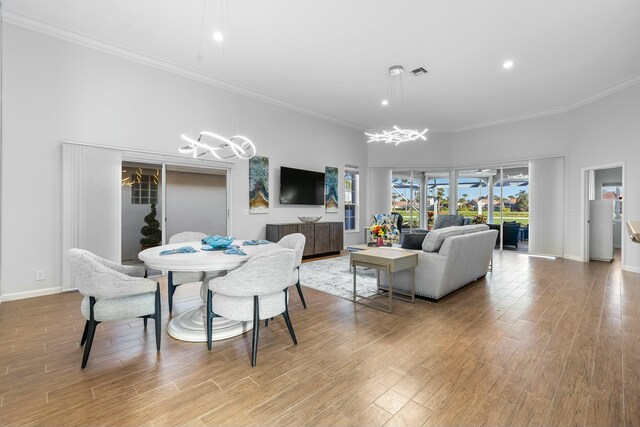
(309,219)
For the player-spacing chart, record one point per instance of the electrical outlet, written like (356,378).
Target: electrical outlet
(39,274)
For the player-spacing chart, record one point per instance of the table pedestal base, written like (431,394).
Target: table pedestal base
(190,326)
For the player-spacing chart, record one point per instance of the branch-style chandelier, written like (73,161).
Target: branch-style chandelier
(395,92)
(396,136)
(236,146)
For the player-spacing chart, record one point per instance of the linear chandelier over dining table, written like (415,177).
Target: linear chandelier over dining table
(236,146)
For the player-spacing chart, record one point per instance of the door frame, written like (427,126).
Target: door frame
(584,209)
(182,164)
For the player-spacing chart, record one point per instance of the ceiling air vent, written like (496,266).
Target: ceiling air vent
(418,71)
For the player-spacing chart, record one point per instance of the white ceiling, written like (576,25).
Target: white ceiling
(332,56)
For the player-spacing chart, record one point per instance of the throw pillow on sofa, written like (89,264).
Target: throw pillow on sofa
(413,240)
(435,238)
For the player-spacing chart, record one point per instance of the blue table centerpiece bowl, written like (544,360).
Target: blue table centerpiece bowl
(217,242)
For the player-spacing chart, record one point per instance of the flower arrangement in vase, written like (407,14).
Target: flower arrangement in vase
(430,216)
(479,219)
(379,232)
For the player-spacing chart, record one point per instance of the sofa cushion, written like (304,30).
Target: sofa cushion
(413,240)
(434,239)
(474,228)
(447,220)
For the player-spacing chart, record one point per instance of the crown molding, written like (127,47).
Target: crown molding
(59,32)
(617,87)
(66,34)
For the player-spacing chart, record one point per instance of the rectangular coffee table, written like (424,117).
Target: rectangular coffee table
(390,260)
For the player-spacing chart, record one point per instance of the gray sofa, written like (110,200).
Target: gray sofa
(451,258)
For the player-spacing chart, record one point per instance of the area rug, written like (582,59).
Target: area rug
(332,276)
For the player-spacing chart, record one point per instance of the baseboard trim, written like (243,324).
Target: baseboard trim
(572,257)
(30,294)
(631,269)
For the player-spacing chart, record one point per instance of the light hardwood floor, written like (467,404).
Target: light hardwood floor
(538,342)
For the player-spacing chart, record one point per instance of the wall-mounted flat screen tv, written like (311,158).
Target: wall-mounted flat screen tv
(301,187)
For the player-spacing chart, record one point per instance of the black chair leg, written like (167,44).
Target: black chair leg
(209,318)
(304,304)
(87,347)
(287,320)
(157,317)
(266,322)
(91,330)
(172,290)
(256,328)
(144,320)
(84,333)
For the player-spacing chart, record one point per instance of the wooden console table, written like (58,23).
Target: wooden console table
(321,237)
(384,259)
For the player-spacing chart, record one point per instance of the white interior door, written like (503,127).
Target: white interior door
(196,200)
(601,230)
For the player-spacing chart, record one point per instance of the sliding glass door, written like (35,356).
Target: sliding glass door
(141,191)
(406,189)
(473,193)
(510,206)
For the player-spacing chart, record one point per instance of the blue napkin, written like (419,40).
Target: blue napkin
(255,242)
(234,250)
(182,250)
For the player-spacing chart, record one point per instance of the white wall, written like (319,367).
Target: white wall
(55,90)
(379,201)
(604,132)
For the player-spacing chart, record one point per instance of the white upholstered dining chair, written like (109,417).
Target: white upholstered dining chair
(177,278)
(112,292)
(295,242)
(255,291)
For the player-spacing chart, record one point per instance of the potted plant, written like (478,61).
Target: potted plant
(151,232)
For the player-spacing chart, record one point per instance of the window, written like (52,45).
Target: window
(351,176)
(613,192)
(144,190)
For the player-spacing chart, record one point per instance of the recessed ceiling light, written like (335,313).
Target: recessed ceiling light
(385,102)
(507,64)
(218,36)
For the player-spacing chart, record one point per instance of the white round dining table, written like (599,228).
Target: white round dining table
(190,325)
